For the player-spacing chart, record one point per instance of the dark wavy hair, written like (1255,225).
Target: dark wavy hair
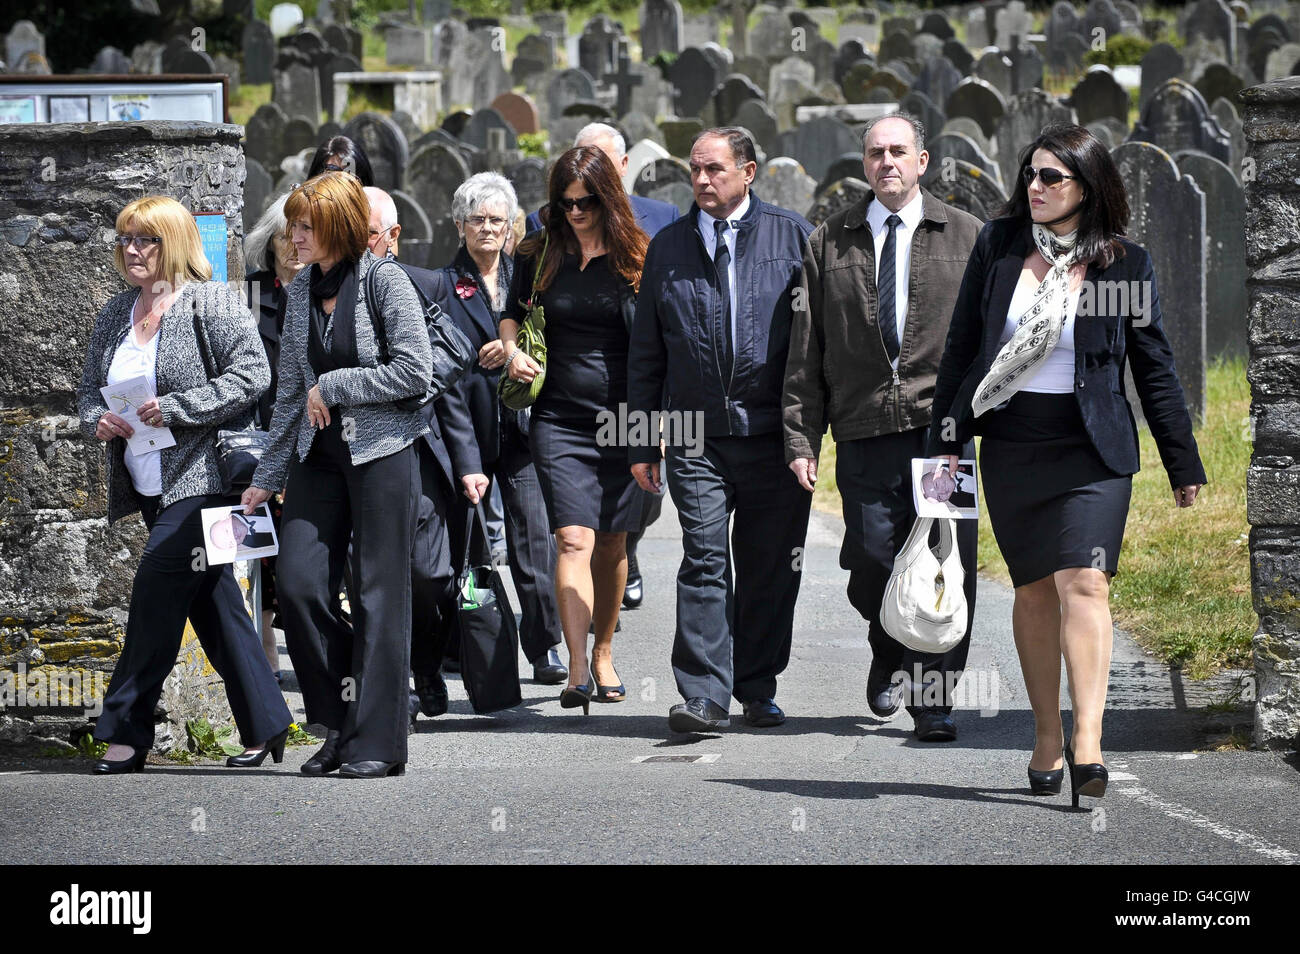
(625,243)
(1104,212)
(354,159)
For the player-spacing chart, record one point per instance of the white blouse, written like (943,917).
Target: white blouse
(131,360)
(1056,374)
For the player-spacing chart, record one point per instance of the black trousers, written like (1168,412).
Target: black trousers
(353,678)
(171,584)
(874,475)
(734,640)
(433,573)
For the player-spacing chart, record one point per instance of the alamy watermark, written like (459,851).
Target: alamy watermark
(626,428)
(42,689)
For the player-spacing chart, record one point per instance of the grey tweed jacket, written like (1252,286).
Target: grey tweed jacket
(364,395)
(192,405)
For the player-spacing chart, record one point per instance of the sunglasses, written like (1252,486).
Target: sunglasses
(583,203)
(1050,177)
(138,241)
(310,192)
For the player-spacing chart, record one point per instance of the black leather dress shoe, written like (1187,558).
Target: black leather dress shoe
(763,713)
(697,715)
(548,670)
(935,725)
(372,769)
(432,693)
(883,694)
(326,759)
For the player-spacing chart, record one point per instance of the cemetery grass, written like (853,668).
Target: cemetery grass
(1183,587)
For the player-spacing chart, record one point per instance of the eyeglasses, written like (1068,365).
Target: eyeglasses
(376,234)
(583,203)
(137,241)
(334,167)
(495,222)
(1049,176)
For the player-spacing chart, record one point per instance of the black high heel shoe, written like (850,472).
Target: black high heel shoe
(253,759)
(1046,783)
(134,764)
(327,758)
(580,695)
(1087,779)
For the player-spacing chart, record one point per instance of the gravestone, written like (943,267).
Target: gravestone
(598,45)
(1178,119)
(1219,79)
(977,29)
(924,109)
(538,46)
(112,61)
(668,175)
(847,56)
(887,78)
(406,123)
(1026,68)
(189,61)
(625,81)
(1102,14)
(523,68)
(23,38)
(1167,218)
(1108,130)
(385,145)
(936,24)
(446,38)
(222,65)
(637,126)
(1282,62)
(476,70)
(640,162)
(995,68)
(978,100)
(790,81)
(1259,50)
(285,18)
(1161,62)
(146,59)
(1225,114)
(816,143)
(264,135)
(257,191)
(434,174)
(416,226)
(1226,297)
(700,28)
(1013,20)
(296,90)
(1212,20)
(771,37)
(478,129)
(567,87)
(730,93)
(529,179)
(519,111)
(937,80)
(680,133)
(1098,94)
(756,116)
(334,62)
(299,134)
(898,24)
(554,23)
(847,166)
(821,53)
(966,187)
(839,196)
(1062,23)
(1026,116)
(965,126)
(948,148)
(661,28)
(857,81)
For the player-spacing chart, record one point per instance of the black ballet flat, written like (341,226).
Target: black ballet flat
(1089,779)
(125,766)
(253,759)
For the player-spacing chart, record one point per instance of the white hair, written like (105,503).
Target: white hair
(259,255)
(381,200)
(481,189)
(593,131)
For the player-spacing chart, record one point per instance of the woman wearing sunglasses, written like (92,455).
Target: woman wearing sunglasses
(584,268)
(343,446)
(1054,304)
(197,348)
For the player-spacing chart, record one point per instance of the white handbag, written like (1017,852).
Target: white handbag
(924,607)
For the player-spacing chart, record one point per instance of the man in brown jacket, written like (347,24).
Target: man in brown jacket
(880,280)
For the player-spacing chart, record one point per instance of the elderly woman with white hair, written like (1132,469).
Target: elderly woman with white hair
(472,290)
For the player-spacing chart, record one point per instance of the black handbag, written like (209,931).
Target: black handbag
(489,659)
(452,351)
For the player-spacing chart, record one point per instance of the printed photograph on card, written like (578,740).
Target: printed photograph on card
(938,493)
(230,535)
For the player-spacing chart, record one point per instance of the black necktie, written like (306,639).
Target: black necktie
(722,262)
(885,283)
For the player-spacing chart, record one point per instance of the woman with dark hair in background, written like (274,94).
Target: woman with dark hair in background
(341,154)
(1035,363)
(590,256)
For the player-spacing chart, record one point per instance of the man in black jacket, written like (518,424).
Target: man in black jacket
(710,337)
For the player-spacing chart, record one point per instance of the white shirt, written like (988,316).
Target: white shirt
(131,360)
(911,216)
(708,233)
(1056,374)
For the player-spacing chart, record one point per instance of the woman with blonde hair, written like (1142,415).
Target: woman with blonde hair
(341,440)
(195,345)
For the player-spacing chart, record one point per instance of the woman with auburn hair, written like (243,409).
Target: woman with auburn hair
(1035,363)
(343,446)
(196,346)
(587,263)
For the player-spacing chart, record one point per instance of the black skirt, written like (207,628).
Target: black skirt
(584,483)
(1052,502)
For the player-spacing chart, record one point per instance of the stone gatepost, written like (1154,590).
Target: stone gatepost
(1271,173)
(65,575)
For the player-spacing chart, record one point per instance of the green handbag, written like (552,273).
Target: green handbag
(520,395)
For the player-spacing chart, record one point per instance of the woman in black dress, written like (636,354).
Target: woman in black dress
(1054,302)
(590,254)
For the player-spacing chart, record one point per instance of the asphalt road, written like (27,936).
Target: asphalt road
(834,784)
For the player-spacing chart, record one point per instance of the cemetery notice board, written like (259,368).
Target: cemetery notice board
(87,99)
(212,233)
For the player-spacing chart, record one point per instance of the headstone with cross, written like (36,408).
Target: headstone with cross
(624,80)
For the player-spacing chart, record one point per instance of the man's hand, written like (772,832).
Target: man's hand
(111,426)
(647,477)
(1186,496)
(474,486)
(254,497)
(805,471)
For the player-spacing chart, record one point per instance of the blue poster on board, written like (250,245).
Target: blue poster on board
(212,233)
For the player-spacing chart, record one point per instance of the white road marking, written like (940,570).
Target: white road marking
(1184,814)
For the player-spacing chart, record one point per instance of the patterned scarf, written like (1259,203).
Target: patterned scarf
(1038,329)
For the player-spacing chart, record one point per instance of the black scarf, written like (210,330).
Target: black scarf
(340,282)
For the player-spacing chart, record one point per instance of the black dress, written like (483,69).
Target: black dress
(585,482)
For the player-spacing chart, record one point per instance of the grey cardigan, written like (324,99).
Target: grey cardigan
(363,395)
(192,405)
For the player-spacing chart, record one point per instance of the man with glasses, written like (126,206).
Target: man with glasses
(709,339)
(880,280)
(384,227)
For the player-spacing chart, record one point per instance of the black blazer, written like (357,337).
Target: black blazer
(1116,329)
(267,299)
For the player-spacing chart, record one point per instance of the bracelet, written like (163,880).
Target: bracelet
(513,354)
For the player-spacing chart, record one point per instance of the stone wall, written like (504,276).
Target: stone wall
(1272,176)
(65,575)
